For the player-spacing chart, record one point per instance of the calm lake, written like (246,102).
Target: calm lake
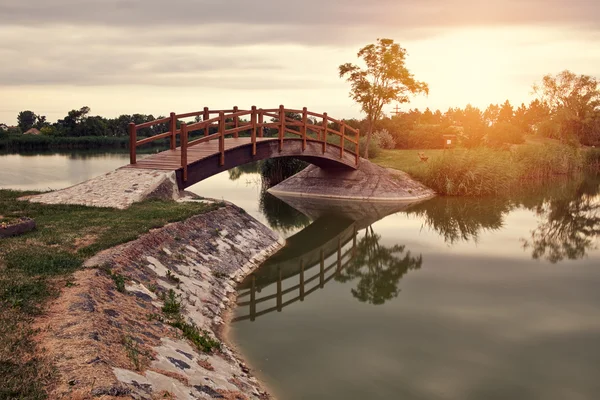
(452,298)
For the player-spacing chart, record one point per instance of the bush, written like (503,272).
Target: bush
(374,148)
(425,137)
(385,139)
(592,159)
(502,133)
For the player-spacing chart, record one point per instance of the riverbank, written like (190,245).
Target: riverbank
(483,171)
(142,319)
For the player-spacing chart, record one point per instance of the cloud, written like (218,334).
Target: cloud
(306,22)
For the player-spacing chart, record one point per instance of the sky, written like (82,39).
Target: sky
(154,57)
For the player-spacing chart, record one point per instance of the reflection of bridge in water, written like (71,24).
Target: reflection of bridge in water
(311,257)
(331,257)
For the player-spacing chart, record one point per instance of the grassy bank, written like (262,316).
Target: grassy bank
(24,143)
(479,172)
(35,266)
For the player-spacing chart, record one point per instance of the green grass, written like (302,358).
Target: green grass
(484,171)
(34,266)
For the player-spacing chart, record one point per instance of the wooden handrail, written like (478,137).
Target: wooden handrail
(152,123)
(229,123)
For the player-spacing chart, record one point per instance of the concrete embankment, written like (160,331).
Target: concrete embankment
(369,182)
(109,340)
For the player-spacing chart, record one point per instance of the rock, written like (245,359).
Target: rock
(368,182)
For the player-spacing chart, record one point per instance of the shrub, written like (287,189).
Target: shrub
(425,137)
(385,139)
(592,159)
(374,148)
(502,133)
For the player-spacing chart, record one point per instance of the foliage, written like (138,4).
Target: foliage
(385,79)
(378,269)
(574,103)
(385,139)
(483,171)
(201,339)
(28,119)
(569,226)
(172,303)
(372,149)
(503,133)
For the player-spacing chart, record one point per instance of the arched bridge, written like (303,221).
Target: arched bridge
(236,137)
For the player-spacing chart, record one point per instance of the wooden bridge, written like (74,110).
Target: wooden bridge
(315,138)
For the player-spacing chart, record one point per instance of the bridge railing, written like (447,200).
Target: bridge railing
(304,287)
(228,123)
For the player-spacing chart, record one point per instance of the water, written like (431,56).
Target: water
(447,299)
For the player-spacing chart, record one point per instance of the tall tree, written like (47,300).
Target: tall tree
(384,80)
(574,101)
(506,112)
(26,120)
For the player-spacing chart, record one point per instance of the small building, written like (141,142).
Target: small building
(32,131)
(449,141)
(3,127)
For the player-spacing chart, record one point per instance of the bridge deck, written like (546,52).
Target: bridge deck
(171,159)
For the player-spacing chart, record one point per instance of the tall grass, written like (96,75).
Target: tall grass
(481,172)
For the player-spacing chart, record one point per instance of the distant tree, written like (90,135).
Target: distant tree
(474,126)
(26,120)
(490,115)
(384,80)
(574,101)
(506,112)
(69,124)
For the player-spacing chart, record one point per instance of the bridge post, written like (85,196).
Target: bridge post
(132,143)
(304,123)
(343,138)
(206,114)
(236,122)
(253,299)
(325,127)
(172,129)
(222,138)
(279,294)
(339,255)
(357,147)
(260,123)
(253,137)
(322,270)
(301,280)
(281,126)
(184,143)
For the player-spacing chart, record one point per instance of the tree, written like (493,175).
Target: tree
(385,79)
(26,120)
(378,269)
(506,112)
(574,102)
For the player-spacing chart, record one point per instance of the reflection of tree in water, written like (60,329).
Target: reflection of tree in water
(250,168)
(457,218)
(280,215)
(378,269)
(570,226)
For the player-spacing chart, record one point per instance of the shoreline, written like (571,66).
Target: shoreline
(88,340)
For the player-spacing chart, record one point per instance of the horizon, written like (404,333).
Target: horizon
(139,57)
